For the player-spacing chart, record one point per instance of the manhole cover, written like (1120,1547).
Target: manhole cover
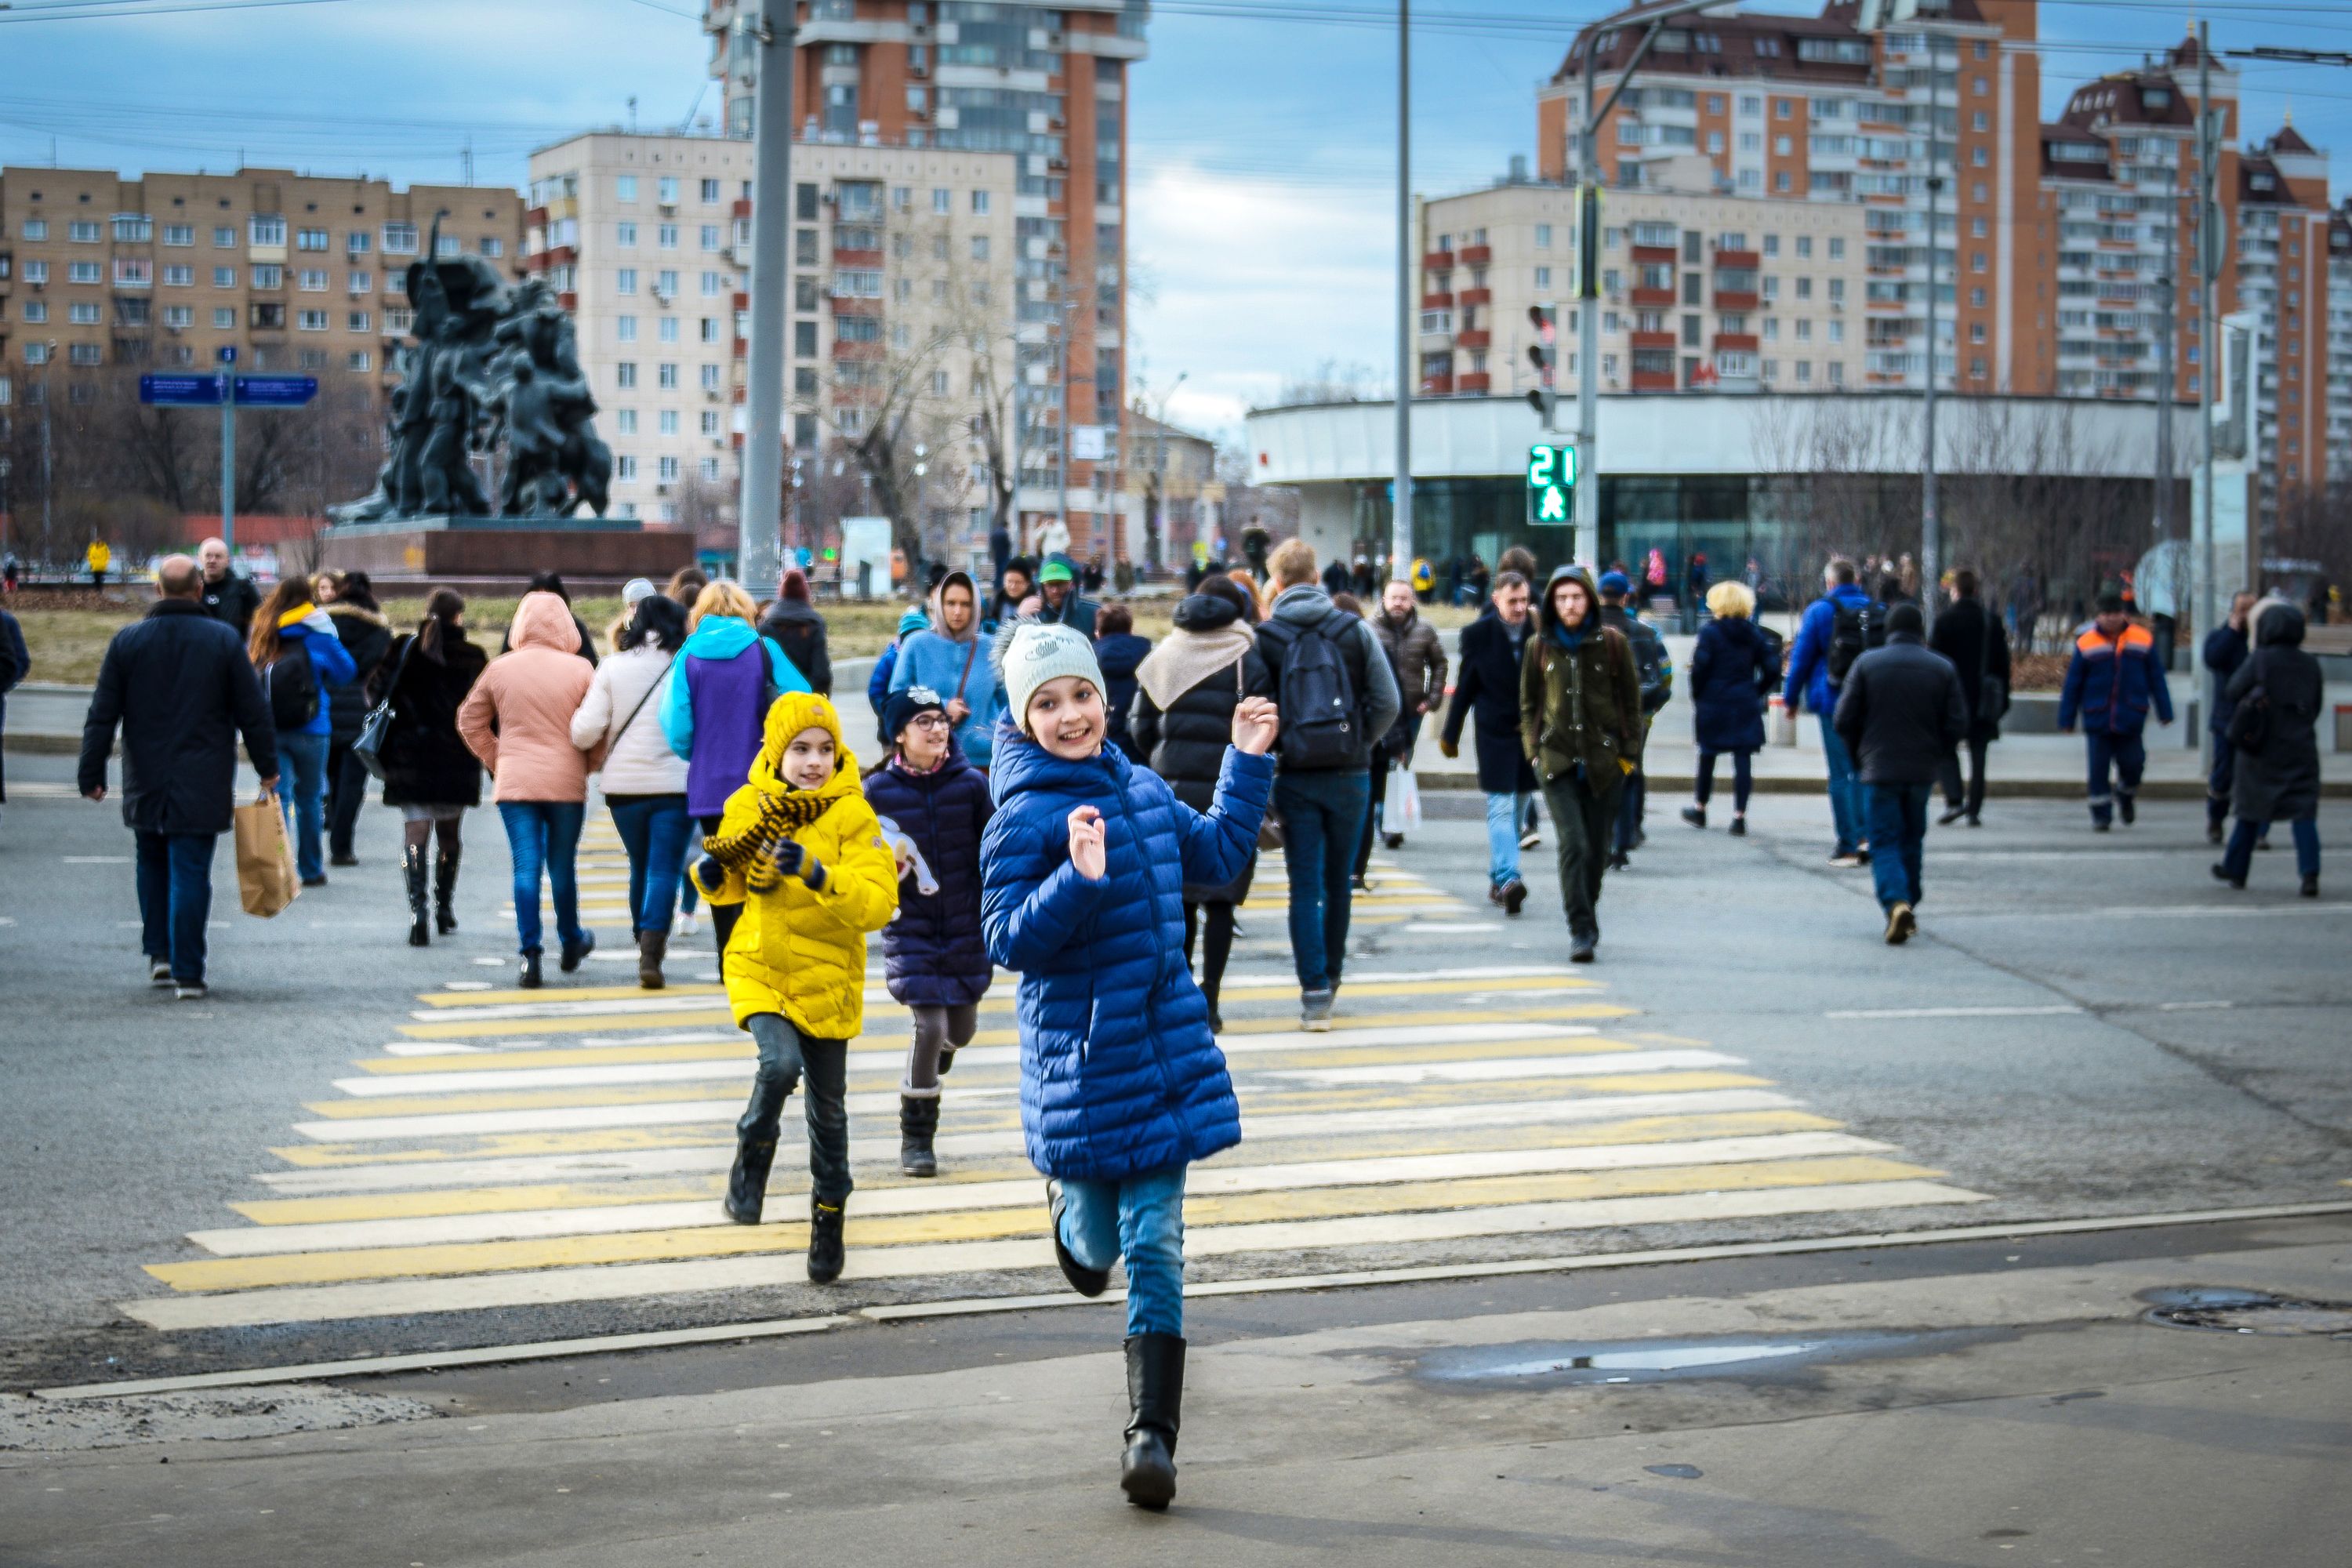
(2247,1313)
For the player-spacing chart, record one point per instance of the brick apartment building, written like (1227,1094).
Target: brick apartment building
(1047,85)
(2051,238)
(297,272)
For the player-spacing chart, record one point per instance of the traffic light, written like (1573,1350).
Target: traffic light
(1544,353)
(1552,486)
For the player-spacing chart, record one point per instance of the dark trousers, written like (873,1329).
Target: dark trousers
(1582,817)
(1898,832)
(786,1058)
(2239,857)
(1743,778)
(1971,799)
(347,790)
(175,899)
(1322,819)
(2122,755)
(2218,785)
(1218,922)
(1630,802)
(3,770)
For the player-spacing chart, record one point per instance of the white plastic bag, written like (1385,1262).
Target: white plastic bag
(1404,801)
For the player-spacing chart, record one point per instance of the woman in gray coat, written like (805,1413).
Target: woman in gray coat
(2275,724)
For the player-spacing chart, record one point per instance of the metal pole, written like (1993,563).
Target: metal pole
(228,459)
(1062,410)
(2165,286)
(2209,363)
(1408,269)
(1931,527)
(759,549)
(1586,546)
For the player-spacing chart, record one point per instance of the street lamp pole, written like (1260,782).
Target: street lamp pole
(1408,269)
(2209,363)
(1931,524)
(758,547)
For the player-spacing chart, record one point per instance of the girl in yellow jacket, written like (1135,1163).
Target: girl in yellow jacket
(800,850)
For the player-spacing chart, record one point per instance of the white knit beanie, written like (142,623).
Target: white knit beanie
(1037,652)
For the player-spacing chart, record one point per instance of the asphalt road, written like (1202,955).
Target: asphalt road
(2087,1026)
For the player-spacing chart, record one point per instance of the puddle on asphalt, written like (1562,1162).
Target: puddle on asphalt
(1663,1360)
(2233,1311)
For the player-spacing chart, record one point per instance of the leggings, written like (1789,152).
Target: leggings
(786,1058)
(939,1032)
(1742,780)
(415,831)
(1216,949)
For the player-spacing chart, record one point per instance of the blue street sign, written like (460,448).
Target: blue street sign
(179,390)
(225,355)
(276,390)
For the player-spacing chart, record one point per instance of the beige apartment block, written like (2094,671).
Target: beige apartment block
(1700,287)
(298,273)
(902,295)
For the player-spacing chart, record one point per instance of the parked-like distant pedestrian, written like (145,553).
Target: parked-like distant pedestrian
(2276,697)
(1656,671)
(793,625)
(951,658)
(1974,640)
(1900,713)
(1015,581)
(2112,682)
(229,596)
(429,774)
(1836,629)
(1580,721)
(301,660)
(1418,658)
(1487,696)
(1061,600)
(1332,683)
(1733,671)
(2226,647)
(1183,721)
(179,684)
(933,807)
(15,663)
(644,780)
(518,720)
(350,602)
(1119,651)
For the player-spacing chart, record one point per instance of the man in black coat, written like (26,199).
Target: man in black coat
(179,683)
(1900,713)
(1972,637)
(15,663)
(1487,687)
(2226,647)
(228,597)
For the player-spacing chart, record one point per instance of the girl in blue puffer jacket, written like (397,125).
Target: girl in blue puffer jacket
(1122,1086)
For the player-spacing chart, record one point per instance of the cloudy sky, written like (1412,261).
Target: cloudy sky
(1262,134)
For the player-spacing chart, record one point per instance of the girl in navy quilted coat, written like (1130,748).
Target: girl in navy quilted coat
(1122,1086)
(933,804)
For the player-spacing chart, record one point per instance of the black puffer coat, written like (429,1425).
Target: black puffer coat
(934,951)
(179,684)
(1186,743)
(367,637)
(424,762)
(795,627)
(1731,671)
(2280,783)
(1976,642)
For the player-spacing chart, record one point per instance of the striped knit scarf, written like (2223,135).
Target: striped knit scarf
(752,849)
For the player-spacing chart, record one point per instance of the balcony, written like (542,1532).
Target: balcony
(862,258)
(847,305)
(1730,300)
(1650,299)
(1478,255)
(1639,341)
(1474,382)
(1654,381)
(1470,297)
(1437,385)
(1739,343)
(1749,259)
(1654,255)
(1438,261)
(1437,301)
(1473,338)
(742,207)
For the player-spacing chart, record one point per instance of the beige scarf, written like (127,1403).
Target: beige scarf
(1187,658)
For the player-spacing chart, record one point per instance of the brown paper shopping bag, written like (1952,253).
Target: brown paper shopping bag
(266,878)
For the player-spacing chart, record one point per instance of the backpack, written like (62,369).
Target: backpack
(1857,630)
(1650,667)
(293,689)
(1767,673)
(1321,718)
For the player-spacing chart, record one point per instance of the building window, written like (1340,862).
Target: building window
(665,329)
(266,230)
(710,329)
(1543,236)
(82,312)
(179,234)
(625,187)
(311,321)
(711,422)
(665,283)
(268,275)
(311,239)
(1543,278)
(665,236)
(666,190)
(1781,182)
(356,322)
(710,191)
(709,378)
(83,231)
(710,236)
(626,467)
(36,228)
(979,204)
(624,374)
(312,279)
(81,272)
(665,375)
(36,311)
(400,239)
(84,354)
(624,422)
(625,280)
(666,422)
(625,329)
(36,353)
(224,318)
(179,316)
(714,284)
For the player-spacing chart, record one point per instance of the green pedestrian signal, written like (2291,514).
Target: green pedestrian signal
(1552,486)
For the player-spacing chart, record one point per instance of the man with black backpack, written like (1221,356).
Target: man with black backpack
(1838,628)
(1337,698)
(1656,671)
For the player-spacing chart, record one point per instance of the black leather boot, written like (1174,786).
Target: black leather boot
(445,888)
(824,1249)
(919,1122)
(1088,1282)
(1155,1399)
(411,865)
(574,952)
(755,1149)
(527,975)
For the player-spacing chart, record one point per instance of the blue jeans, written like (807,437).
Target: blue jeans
(1846,790)
(544,836)
(1140,1219)
(1898,827)
(1322,818)
(1504,814)
(2125,756)
(175,899)
(2238,858)
(654,829)
(303,795)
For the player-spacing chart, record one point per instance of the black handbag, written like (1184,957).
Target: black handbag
(2250,723)
(367,745)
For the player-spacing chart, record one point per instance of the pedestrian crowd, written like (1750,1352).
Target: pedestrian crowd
(1050,794)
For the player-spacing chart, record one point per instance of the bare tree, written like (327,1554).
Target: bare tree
(1332,382)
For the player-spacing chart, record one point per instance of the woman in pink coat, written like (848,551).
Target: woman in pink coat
(541,778)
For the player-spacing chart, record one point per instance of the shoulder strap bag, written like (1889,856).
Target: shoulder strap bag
(368,747)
